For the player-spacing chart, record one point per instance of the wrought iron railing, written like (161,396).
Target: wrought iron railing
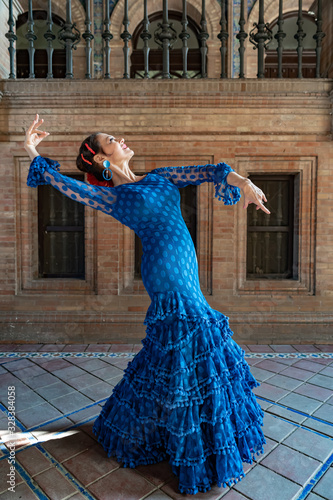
(69,36)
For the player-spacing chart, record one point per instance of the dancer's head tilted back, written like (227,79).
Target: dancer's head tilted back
(85,159)
(99,148)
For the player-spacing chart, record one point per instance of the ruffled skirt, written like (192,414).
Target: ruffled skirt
(186,397)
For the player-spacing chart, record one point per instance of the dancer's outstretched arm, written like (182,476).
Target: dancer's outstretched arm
(227,182)
(46,171)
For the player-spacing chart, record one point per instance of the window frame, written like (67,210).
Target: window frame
(56,228)
(305,169)
(27,277)
(290,229)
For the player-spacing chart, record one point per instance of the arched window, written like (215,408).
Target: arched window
(290,56)
(40,44)
(155,54)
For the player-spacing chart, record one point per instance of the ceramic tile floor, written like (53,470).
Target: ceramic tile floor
(60,389)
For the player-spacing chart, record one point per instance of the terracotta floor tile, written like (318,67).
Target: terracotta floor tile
(328,371)
(292,464)
(259,348)
(33,371)
(55,485)
(120,363)
(84,380)
(121,348)
(157,495)
(156,473)
(71,402)
(98,391)
(90,465)
(325,412)
(313,391)
(121,484)
(260,374)
(27,399)
(270,365)
(300,403)
(37,415)
(260,480)
(276,429)
(92,411)
(54,390)
(114,380)
(56,364)
(138,347)
(4,470)
(19,364)
(41,380)
(309,365)
(52,348)
(91,364)
(284,382)
(19,438)
(297,373)
(63,448)
(69,372)
(311,444)
(22,491)
(325,347)
(270,392)
(75,348)
(33,460)
(29,347)
(286,414)
(171,489)
(282,348)
(233,495)
(108,372)
(98,348)
(305,348)
(324,486)
(47,431)
(8,347)
(321,427)
(322,381)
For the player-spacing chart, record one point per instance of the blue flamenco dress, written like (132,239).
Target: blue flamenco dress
(186,397)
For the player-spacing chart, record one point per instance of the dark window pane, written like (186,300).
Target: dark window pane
(272,242)
(60,234)
(188,204)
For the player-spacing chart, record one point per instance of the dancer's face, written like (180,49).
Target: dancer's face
(115,150)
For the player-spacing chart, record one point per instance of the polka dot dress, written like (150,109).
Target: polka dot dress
(187,395)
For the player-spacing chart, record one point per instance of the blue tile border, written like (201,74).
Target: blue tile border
(312,483)
(258,355)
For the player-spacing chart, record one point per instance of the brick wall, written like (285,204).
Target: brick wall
(251,125)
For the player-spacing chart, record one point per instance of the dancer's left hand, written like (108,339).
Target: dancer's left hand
(253,194)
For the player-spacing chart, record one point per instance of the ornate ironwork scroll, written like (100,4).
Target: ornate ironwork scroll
(223,36)
(146,36)
(69,37)
(126,36)
(88,37)
(241,36)
(261,39)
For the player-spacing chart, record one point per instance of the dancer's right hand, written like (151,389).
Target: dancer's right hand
(34,136)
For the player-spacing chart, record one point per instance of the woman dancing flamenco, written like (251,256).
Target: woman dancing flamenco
(187,395)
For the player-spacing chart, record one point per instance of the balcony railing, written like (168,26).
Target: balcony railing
(173,45)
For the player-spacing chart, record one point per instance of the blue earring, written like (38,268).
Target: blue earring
(107,172)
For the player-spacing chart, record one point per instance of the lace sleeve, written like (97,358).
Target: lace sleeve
(46,171)
(182,176)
